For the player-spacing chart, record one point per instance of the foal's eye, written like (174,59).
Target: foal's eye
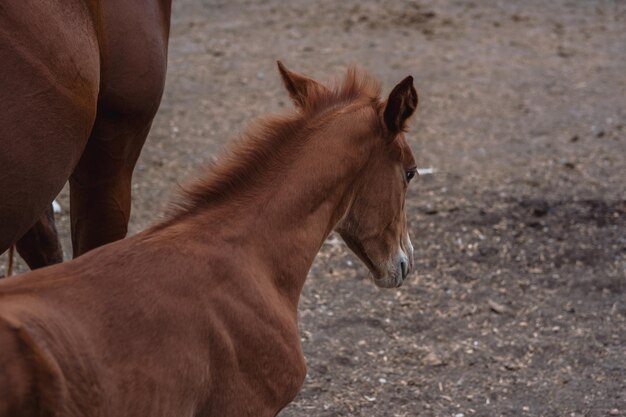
(410,174)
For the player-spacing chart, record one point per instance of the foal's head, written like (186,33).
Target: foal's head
(374,225)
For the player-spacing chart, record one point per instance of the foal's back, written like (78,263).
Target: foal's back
(95,328)
(139,323)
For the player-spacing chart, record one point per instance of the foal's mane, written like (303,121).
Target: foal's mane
(267,139)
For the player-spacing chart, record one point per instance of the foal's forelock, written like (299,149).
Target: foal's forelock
(357,85)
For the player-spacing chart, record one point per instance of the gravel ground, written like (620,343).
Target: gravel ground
(519,305)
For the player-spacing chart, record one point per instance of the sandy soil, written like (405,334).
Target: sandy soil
(519,307)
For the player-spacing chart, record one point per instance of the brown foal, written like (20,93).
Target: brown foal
(81,81)
(197,316)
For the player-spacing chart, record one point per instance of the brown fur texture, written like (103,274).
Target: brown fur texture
(197,316)
(76,103)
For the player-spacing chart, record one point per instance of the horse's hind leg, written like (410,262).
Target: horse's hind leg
(40,246)
(100,187)
(133,65)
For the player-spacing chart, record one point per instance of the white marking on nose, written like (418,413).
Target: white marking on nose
(402,253)
(409,247)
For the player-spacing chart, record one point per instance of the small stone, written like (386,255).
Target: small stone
(425,171)
(459,415)
(56,207)
(614,412)
(496,307)
(432,359)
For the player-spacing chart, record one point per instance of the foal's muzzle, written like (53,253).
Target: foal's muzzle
(404,263)
(404,268)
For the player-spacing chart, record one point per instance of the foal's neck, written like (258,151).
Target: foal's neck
(284,218)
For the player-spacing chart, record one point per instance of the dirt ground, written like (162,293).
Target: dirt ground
(519,303)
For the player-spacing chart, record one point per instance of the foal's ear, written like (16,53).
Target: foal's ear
(401,104)
(299,86)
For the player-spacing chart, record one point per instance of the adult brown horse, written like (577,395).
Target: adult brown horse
(81,81)
(197,316)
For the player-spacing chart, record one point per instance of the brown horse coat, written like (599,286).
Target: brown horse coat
(80,82)
(197,316)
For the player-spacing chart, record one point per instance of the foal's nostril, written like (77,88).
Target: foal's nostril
(405,269)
